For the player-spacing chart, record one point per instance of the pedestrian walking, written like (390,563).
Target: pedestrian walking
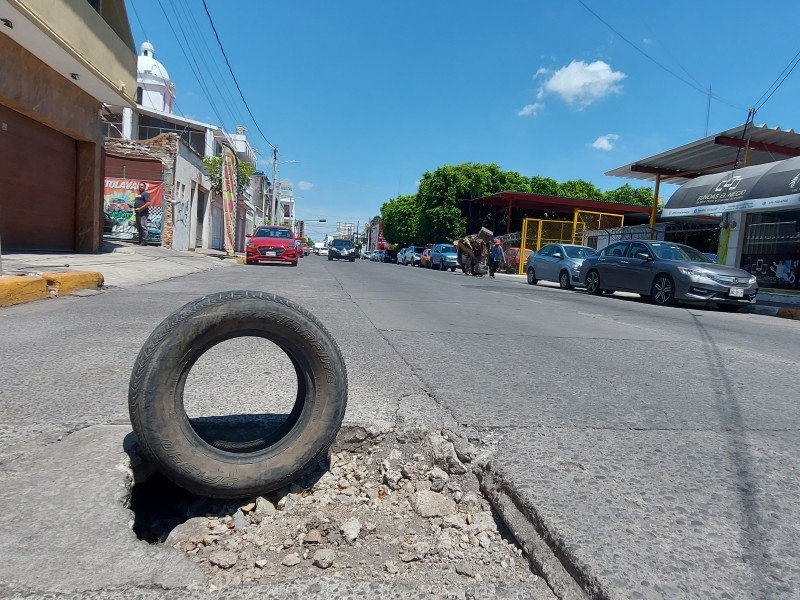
(497,258)
(141,205)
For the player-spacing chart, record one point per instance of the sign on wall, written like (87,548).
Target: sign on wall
(118,198)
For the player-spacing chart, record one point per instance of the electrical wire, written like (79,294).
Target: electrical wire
(795,60)
(654,61)
(210,20)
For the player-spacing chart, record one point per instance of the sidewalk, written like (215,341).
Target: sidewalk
(34,275)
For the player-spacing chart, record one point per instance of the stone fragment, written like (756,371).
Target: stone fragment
(465,568)
(483,521)
(324,558)
(456,521)
(485,539)
(224,559)
(261,563)
(470,500)
(390,567)
(444,455)
(392,479)
(240,522)
(264,508)
(193,530)
(414,552)
(248,507)
(432,504)
(464,450)
(313,537)
(350,529)
(290,560)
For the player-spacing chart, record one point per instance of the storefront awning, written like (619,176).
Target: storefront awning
(761,187)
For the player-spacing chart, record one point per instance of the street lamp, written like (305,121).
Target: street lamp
(274,200)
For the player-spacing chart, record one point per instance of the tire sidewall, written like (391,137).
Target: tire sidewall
(163,428)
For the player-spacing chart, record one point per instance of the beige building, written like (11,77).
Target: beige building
(63,60)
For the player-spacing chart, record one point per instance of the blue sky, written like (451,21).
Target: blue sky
(369,95)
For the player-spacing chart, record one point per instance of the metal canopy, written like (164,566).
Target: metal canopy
(540,202)
(772,185)
(715,154)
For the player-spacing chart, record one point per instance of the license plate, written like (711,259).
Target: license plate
(270,254)
(736,293)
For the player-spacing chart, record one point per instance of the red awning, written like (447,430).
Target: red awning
(538,202)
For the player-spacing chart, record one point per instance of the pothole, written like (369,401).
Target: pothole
(402,509)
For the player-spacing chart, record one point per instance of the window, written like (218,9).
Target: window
(638,247)
(616,250)
(546,250)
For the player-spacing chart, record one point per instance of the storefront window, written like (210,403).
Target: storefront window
(771,249)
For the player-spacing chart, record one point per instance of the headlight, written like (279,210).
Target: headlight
(751,281)
(251,245)
(694,272)
(576,267)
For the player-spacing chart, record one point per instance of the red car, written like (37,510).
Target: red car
(272,244)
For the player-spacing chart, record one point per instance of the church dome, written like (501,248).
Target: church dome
(149,69)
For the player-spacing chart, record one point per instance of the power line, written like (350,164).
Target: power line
(654,61)
(795,60)
(210,20)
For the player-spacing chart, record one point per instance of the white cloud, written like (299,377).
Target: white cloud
(581,83)
(605,142)
(305,185)
(530,109)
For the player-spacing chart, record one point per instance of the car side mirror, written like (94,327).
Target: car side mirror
(248,235)
(643,256)
(557,255)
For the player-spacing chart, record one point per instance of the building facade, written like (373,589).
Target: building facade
(63,61)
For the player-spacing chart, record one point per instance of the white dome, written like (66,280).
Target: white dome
(150,70)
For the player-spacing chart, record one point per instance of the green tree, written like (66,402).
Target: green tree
(626,194)
(578,188)
(544,186)
(442,192)
(214,169)
(400,220)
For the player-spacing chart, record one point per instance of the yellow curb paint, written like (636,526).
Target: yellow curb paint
(23,288)
(789,313)
(68,282)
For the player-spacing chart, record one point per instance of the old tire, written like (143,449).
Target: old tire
(195,456)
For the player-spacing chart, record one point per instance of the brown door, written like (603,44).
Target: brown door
(37,185)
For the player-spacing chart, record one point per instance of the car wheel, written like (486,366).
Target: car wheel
(663,291)
(593,283)
(532,277)
(208,457)
(247,261)
(563,280)
(294,264)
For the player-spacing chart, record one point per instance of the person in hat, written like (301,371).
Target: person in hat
(497,258)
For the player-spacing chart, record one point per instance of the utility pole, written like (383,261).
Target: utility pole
(273,200)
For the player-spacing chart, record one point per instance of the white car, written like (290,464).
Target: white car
(323,252)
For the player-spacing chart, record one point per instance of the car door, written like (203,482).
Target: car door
(544,262)
(609,265)
(636,273)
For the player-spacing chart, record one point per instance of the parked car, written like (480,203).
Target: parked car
(444,256)
(342,250)
(323,252)
(512,256)
(272,244)
(401,256)
(557,262)
(666,272)
(412,255)
(377,255)
(425,259)
(366,255)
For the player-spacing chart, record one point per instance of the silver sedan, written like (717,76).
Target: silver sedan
(665,272)
(557,262)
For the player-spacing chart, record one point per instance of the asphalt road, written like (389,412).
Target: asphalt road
(655,448)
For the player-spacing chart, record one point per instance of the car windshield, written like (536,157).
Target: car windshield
(418,249)
(342,244)
(447,248)
(579,251)
(666,251)
(269,232)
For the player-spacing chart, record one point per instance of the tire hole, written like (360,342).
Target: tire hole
(239,396)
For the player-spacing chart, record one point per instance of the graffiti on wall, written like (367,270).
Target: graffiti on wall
(118,216)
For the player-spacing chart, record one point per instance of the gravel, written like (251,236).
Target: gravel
(408,511)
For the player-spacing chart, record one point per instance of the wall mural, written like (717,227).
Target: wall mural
(118,220)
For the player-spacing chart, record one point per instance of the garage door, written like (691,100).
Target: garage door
(38,168)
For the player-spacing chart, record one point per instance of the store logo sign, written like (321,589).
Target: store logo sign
(728,185)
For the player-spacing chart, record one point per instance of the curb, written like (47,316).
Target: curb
(773,311)
(27,288)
